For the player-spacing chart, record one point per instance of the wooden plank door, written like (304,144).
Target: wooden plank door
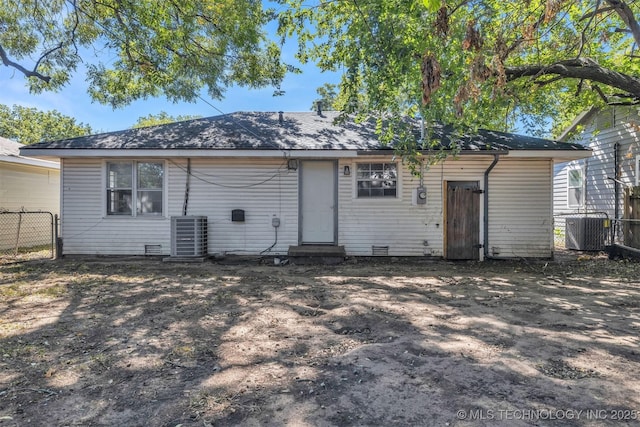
(462,240)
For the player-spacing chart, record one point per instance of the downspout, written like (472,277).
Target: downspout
(186,189)
(616,185)
(616,192)
(485,243)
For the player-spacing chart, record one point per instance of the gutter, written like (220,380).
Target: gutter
(485,243)
(427,152)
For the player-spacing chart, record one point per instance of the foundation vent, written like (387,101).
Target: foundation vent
(153,249)
(380,250)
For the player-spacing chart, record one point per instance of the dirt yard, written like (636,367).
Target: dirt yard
(122,342)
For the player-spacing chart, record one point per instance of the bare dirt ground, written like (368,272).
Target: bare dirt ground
(122,342)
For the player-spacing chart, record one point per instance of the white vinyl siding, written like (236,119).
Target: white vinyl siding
(263,188)
(30,188)
(519,221)
(86,229)
(601,134)
(520,209)
(393,222)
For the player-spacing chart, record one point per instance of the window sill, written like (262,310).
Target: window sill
(136,218)
(377,199)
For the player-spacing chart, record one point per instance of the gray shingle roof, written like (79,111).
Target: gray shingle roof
(10,153)
(298,131)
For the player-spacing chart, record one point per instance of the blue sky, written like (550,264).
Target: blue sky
(73,100)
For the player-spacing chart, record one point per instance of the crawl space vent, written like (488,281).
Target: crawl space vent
(379,250)
(153,249)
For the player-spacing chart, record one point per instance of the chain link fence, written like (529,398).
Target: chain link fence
(27,235)
(559,232)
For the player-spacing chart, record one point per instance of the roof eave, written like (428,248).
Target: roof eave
(20,160)
(195,153)
(558,155)
(580,119)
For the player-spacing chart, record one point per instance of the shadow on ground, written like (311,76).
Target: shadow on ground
(397,342)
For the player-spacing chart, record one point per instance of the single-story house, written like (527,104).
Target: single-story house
(594,186)
(27,183)
(265,183)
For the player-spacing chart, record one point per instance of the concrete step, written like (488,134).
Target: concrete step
(316,254)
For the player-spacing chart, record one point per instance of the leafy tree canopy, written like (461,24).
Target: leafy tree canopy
(29,125)
(476,62)
(328,97)
(160,119)
(134,49)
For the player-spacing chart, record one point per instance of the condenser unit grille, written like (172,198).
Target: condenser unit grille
(188,236)
(585,234)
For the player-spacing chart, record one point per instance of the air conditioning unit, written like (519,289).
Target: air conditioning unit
(585,233)
(188,236)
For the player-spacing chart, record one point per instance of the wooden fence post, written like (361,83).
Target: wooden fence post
(631,227)
(18,233)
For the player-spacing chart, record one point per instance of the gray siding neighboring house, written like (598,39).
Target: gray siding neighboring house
(321,182)
(595,186)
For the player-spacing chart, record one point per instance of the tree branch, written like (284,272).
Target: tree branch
(549,81)
(580,68)
(597,11)
(47,53)
(520,40)
(583,34)
(29,73)
(626,14)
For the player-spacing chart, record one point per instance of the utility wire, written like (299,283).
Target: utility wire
(223,185)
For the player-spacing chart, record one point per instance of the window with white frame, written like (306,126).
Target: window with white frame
(377,179)
(575,186)
(135,184)
(637,170)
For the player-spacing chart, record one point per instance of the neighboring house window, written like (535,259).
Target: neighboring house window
(377,179)
(637,170)
(575,187)
(138,184)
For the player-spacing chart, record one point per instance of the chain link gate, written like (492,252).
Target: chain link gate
(27,235)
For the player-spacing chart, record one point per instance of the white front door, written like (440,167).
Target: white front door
(318,202)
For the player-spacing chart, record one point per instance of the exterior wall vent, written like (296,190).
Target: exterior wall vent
(380,250)
(585,234)
(153,249)
(188,236)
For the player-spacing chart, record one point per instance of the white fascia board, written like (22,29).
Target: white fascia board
(164,153)
(30,162)
(558,155)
